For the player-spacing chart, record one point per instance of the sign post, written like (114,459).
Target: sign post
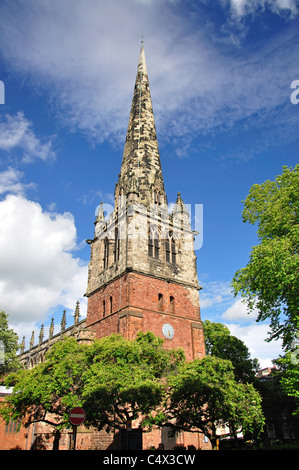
(73,447)
(76,417)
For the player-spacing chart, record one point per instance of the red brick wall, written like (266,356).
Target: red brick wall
(13,437)
(136,307)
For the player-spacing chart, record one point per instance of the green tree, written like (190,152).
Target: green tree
(270,281)
(47,392)
(113,379)
(8,347)
(212,331)
(204,395)
(125,379)
(220,343)
(289,376)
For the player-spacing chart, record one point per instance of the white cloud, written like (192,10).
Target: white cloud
(239,311)
(10,182)
(243,325)
(220,307)
(254,336)
(16,132)
(91,59)
(38,270)
(244,7)
(214,293)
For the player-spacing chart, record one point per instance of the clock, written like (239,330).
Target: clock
(167,331)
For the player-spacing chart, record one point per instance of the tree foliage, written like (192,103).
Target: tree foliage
(289,376)
(116,380)
(220,343)
(270,281)
(125,379)
(205,395)
(49,390)
(113,379)
(8,347)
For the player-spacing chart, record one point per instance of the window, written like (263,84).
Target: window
(153,244)
(157,198)
(156,247)
(150,246)
(171,304)
(285,431)
(106,252)
(104,308)
(13,426)
(160,302)
(170,250)
(173,252)
(116,245)
(271,431)
(167,250)
(110,303)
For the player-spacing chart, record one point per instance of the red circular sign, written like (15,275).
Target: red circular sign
(77,416)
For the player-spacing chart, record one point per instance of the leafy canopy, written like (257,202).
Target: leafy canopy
(289,378)
(49,390)
(113,379)
(220,343)
(270,281)
(125,379)
(8,347)
(204,394)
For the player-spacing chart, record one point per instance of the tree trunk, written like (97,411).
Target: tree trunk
(214,443)
(56,440)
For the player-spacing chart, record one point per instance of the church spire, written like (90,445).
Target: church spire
(142,63)
(141,158)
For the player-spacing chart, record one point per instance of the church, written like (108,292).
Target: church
(142,270)
(142,274)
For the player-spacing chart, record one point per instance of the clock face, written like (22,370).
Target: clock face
(168,331)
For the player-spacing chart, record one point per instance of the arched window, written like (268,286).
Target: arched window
(156,247)
(167,250)
(170,250)
(153,244)
(157,198)
(106,253)
(116,245)
(150,245)
(173,252)
(160,302)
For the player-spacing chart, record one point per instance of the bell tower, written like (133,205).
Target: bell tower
(142,270)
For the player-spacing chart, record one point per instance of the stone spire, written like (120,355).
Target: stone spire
(41,335)
(101,216)
(32,340)
(22,347)
(77,313)
(179,206)
(180,214)
(51,329)
(63,321)
(141,158)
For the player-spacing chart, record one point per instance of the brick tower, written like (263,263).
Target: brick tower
(142,270)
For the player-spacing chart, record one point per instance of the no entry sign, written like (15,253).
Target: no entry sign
(77,416)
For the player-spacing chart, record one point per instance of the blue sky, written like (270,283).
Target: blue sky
(220,75)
